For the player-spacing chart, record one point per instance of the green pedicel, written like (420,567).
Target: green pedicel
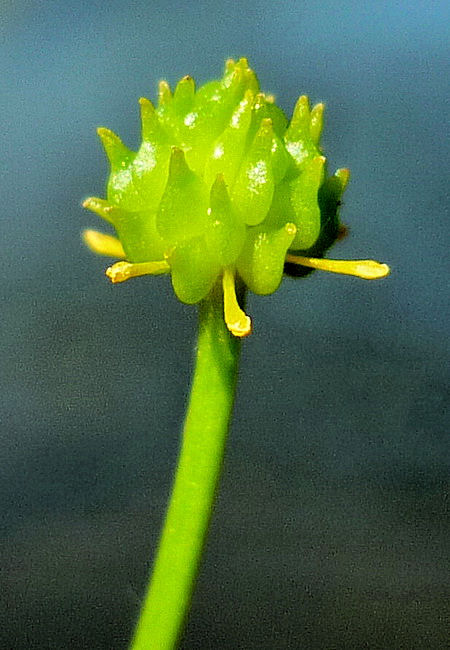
(224,195)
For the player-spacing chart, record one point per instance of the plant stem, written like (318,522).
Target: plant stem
(199,464)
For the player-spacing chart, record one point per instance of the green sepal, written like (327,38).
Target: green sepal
(194,270)
(182,212)
(261,262)
(226,233)
(253,190)
(304,200)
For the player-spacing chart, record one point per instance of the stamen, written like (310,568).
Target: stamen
(121,271)
(365,269)
(236,319)
(103,244)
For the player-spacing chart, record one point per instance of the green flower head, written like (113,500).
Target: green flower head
(222,186)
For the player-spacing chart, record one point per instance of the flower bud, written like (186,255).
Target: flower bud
(221,185)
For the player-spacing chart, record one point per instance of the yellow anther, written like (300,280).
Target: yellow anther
(121,271)
(103,244)
(365,269)
(236,319)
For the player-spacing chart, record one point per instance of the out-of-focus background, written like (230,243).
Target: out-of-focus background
(331,524)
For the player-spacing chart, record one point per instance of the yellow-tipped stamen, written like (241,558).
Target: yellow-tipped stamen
(236,319)
(121,271)
(103,244)
(365,269)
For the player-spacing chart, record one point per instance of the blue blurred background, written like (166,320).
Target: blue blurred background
(331,524)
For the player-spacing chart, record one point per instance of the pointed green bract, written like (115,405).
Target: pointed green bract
(222,180)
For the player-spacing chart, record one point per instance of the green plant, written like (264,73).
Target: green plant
(224,194)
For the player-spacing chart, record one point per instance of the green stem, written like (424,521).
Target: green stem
(205,431)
